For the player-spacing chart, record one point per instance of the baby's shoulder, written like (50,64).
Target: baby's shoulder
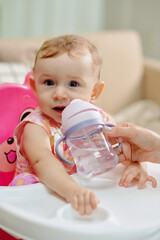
(39,118)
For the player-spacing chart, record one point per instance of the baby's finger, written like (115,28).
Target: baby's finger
(123,177)
(88,208)
(93,200)
(81,204)
(74,203)
(152,180)
(142,180)
(126,179)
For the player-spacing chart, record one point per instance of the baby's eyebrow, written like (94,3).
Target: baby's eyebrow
(74,77)
(50,76)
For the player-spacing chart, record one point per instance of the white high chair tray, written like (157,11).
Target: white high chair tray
(34,213)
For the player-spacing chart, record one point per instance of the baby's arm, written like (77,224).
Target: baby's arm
(35,146)
(136,171)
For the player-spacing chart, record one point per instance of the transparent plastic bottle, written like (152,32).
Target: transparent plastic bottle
(82,127)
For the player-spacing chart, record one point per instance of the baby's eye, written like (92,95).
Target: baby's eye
(73,84)
(49,82)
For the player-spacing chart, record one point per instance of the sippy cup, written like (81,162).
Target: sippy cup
(82,128)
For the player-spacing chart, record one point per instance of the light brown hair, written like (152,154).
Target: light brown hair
(68,44)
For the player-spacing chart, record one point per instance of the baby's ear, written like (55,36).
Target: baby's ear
(32,83)
(97,90)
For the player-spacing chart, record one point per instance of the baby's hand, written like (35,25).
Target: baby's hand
(82,200)
(136,171)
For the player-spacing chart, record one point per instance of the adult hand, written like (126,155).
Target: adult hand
(139,144)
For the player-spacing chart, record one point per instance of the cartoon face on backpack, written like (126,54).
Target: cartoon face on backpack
(17,101)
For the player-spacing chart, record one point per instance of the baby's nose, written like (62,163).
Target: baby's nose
(59,93)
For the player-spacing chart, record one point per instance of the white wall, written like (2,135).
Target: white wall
(141,15)
(25,18)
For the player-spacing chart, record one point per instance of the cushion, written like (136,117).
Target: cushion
(13,72)
(122,68)
(20,50)
(145,113)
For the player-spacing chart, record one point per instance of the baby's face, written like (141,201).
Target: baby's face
(61,79)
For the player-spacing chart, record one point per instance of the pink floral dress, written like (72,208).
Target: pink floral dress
(24,168)
(25,173)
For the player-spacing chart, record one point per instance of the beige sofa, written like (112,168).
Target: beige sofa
(132,83)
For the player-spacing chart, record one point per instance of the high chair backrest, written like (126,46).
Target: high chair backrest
(16,102)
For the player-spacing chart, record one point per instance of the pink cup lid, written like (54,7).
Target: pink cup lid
(79,111)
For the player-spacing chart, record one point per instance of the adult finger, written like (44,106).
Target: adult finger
(121,158)
(119,131)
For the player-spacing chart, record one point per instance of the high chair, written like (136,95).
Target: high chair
(33,212)
(17,101)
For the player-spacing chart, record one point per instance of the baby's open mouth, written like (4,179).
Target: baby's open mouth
(59,109)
